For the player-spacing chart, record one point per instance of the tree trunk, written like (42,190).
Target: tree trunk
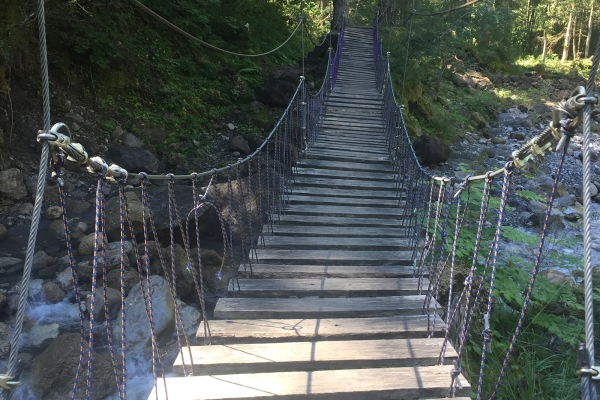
(565,54)
(341,8)
(545,45)
(573,36)
(579,40)
(588,39)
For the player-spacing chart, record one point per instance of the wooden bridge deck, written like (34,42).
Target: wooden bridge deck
(331,311)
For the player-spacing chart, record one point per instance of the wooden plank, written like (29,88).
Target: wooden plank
(320,191)
(327,287)
(324,242)
(298,199)
(327,307)
(300,330)
(377,151)
(310,356)
(353,384)
(338,221)
(341,183)
(338,231)
(347,156)
(363,175)
(329,271)
(343,211)
(345,166)
(334,257)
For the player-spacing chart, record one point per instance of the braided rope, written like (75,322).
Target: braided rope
(534,272)
(57,166)
(487,332)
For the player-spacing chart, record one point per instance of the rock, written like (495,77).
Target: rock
(138,326)
(478,120)
(41,260)
(52,372)
(517,135)
(513,118)
(26,209)
(86,247)
(113,279)
(184,280)
(113,212)
(176,159)
(11,184)
(190,317)
(117,246)
(565,201)
(230,126)
(75,127)
(3,232)
(53,212)
(117,132)
(64,280)
(4,340)
(133,159)
(557,277)
(277,92)
(114,303)
(593,190)
(130,140)
(541,109)
(90,145)
(3,302)
(84,271)
(41,335)
(498,140)
(77,206)
(240,144)
(593,155)
(51,193)
(113,259)
(54,294)
(431,150)
(9,261)
(36,292)
(536,207)
(57,229)
(256,106)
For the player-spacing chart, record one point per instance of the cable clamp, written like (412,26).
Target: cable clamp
(7,382)
(585,368)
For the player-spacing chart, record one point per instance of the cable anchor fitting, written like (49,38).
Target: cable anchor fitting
(7,382)
(585,367)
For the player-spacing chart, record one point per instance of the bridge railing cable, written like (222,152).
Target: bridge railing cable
(430,200)
(245,196)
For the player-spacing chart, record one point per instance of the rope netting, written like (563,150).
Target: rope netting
(431,201)
(245,197)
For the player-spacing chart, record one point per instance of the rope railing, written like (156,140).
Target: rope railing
(338,55)
(254,191)
(431,200)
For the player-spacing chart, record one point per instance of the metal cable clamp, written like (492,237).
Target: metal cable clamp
(585,367)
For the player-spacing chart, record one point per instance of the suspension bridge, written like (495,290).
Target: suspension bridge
(344,242)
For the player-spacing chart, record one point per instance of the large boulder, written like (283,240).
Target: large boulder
(133,159)
(431,150)
(113,212)
(277,92)
(137,323)
(184,280)
(11,184)
(240,144)
(52,372)
(114,303)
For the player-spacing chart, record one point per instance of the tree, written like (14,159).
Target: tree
(341,9)
(565,54)
(588,39)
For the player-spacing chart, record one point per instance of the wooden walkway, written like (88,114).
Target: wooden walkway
(332,311)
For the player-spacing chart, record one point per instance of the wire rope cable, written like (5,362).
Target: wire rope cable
(203,43)
(24,289)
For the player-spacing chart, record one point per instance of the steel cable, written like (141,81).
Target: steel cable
(203,43)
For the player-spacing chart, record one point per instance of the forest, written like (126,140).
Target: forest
(131,70)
